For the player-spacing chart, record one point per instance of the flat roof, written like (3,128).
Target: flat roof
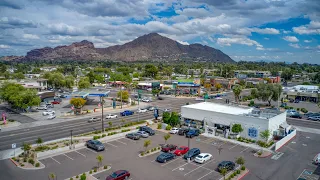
(221,108)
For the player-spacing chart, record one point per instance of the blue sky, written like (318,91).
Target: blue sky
(277,30)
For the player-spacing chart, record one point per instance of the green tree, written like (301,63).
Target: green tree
(18,76)
(267,92)
(26,147)
(174,119)
(99,159)
(265,135)
(125,95)
(84,83)
(218,86)
(146,144)
(136,75)
(166,137)
(83,177)
(240,161)
(166,117)
(237,128)
(110,124)
(56,80)
(69,82)
(237,91)
(78,102)
(155,92)
(316,78)
(287,74)
(91,77)
(39,141)
(150,70)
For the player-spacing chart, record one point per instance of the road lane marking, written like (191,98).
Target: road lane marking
(91,150)
(205,175)
(171,161)
(68,156)
(121,142)
(179,166)
(111,144)
(55,160)
(80,154)
(233,146)
(244,149)
(198,167)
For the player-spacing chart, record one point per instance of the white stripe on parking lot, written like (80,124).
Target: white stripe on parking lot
(121,142)
(68,156)
(171,161)
(205,175)
(92,150)
(80,154)
(233,146)
(111,144)
(244,149)
(198,167)
(179,166)
(55,160)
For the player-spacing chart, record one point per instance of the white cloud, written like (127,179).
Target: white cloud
(307,41)
(266,38)
(183,42)
(265,31)
(30,36)
(291,39)
(64,29)
(289,53)
(312,28)
(286,32)
(294,45)
(318,46)
(239,40)
(2,46)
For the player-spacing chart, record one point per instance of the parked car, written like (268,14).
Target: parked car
(51,116)
(174,130)
(314,114)
(111,116)
(164,157)
(119,175)
(62,96)
(316,159)
(314,118)
(151,108)
(203,157)
(229,165)
(296,101)
(168,147)
(192,133)
(146,100)
(181,150)
(192,153)
(95,144)
(55,102)
(48,112)
(41,108)
(126,113)
(143,134)
(142,110)
(183,131)
(296,115)
(147,130)
(94,119)
(134,136)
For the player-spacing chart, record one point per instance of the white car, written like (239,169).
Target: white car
(94,119)
(203,157)
(218,98)
(142,110)
(111,116)
(146,100)
(42,108)
(51,116)
(167,110)
(48,112)
(174,130)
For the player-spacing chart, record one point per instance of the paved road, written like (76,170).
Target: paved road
(16,116)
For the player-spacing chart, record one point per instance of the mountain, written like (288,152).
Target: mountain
(147,47)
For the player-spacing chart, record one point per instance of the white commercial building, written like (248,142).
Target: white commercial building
(218,119)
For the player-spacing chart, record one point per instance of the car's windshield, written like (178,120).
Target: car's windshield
(199,156)
(97,142)
(180,148)
(114,175)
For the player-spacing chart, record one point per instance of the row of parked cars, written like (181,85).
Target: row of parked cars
(188,132)
(310,115)
(171,151)
(144,132)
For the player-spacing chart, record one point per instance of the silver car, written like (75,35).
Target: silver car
(143,134)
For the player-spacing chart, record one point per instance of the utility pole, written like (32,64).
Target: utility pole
(102,119)
(71,139)
(121,95)
(189,137)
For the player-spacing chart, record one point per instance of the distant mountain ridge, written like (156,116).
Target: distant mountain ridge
(147,47)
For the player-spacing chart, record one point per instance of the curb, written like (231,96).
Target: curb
(34,168)
(244,175)
(88,174)
(14,162)
(145,155)
(286,143)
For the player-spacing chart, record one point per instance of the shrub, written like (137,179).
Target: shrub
(298,109)
(159,126)
(55,147)
(238,171)
(90,172)
(232,175)
(71,178)
(229,137)
(77,176)
(148,152)
(13,158)
(168,128)
(103,135)
(261,143)
(43,148)
(37,164)
(31,161)
(105,167)
(96,137)
(304,110)
(18,160)
(259,153)
(159,148)
(142,154)
(138,127)
(21,165)
(125,130)
(95,170)
(243,168)
(25,159)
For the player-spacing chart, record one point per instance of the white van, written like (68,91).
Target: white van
(316,159)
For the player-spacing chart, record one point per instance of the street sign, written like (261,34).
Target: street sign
(14,145)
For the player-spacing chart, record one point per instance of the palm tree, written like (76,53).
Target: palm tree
(146,144)
(99,159)
(237,91)
(166,137)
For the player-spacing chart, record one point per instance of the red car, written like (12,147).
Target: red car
(168,147)
(55,102)
(181,150)
(119,175)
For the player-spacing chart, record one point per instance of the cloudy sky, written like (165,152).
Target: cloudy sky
(278,30)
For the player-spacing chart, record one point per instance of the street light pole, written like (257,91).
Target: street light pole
(71,138)
(102,119)
(189,137)
(121,95)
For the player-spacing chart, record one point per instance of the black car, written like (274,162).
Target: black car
(228,165)
(134,136)
(164,157)
(192,153)
(147,130)
(95,144)
(183,131)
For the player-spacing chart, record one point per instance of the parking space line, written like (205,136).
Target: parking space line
(67,156)
(205,175)
(55,160)
(121,142)
(92,150)
(111,144)
(80,154)
(233,146)
(244,149)
(179,166)
(199,167)
(171,161)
